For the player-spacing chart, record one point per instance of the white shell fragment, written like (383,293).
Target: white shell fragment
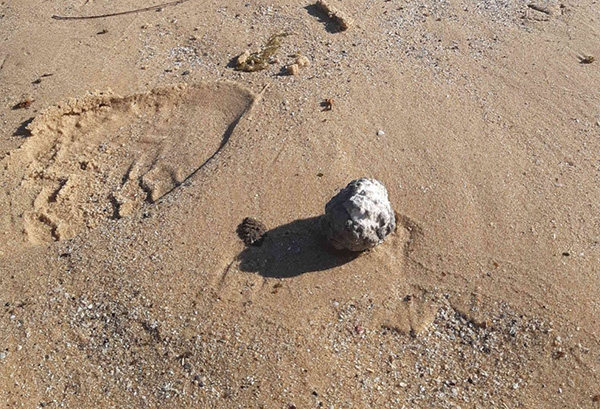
(359,217)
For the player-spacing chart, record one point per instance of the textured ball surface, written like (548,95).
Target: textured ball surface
(359,217)
(251,231)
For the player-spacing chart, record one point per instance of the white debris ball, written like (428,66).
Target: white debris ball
(359,217)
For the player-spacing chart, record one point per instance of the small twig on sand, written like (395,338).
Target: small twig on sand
(122,13)
(257,99)
(334,14)
(261,93)
(539,8)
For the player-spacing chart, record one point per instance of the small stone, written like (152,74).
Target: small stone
(243,57)
(359,217)
(292,69)
(380,133)
(2,355)
(303,61)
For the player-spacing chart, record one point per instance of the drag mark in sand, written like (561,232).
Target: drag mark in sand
(158,7)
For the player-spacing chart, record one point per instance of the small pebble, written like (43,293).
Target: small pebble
(303,61)
(292,69)
(380,133)
(243,57)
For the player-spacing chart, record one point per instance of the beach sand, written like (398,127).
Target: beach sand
(131,149)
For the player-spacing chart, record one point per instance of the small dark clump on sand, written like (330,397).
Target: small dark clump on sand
(251,231)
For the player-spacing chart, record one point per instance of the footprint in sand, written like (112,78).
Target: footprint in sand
(101,157)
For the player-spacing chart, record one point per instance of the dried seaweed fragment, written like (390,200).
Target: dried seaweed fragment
(259,60)
(251,231)
(587,59)
(25,104)
(343,21)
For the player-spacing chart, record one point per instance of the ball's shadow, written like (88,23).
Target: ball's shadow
(292,249)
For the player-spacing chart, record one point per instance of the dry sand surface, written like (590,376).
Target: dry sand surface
(131,149)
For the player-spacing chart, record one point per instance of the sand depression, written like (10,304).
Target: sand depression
(102,156)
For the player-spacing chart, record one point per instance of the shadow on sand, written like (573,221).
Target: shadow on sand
(22,129)
(292,249)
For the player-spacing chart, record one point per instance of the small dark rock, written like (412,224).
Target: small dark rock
(251,231)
